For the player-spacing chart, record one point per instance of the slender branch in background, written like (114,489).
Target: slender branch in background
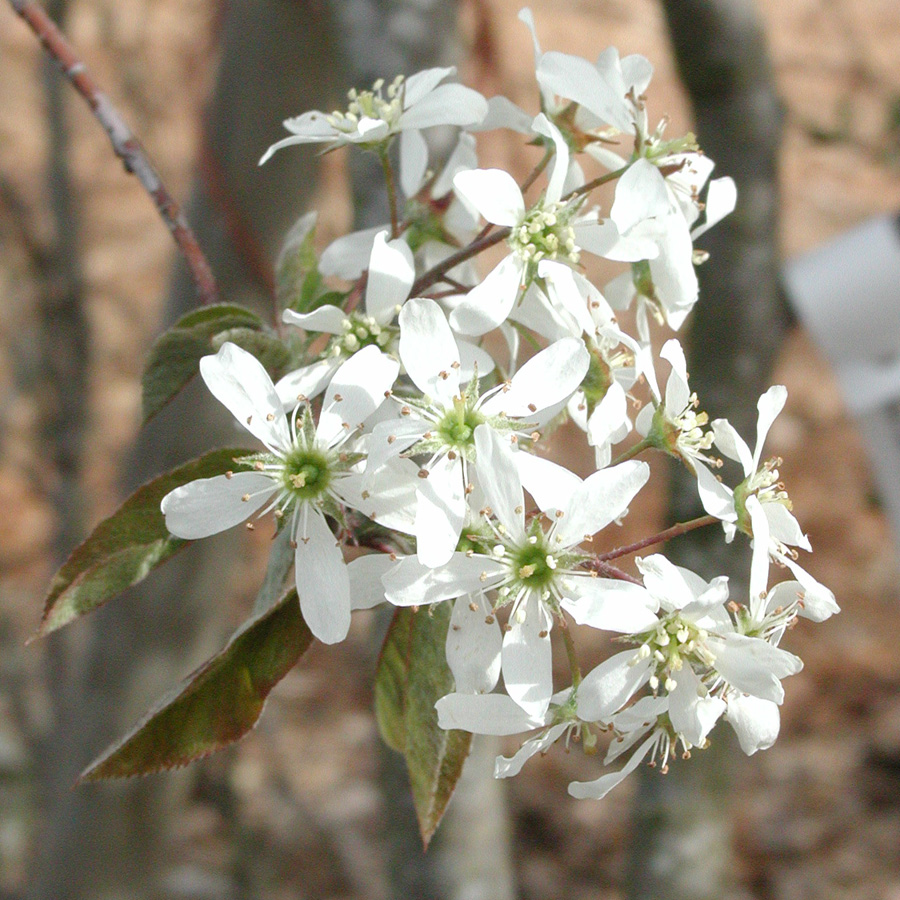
(663,536)
(436,273)
(127,147)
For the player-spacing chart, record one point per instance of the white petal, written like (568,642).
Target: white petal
(348,256)
(238,380)
(391,274)
(717,499)
(548,378)
(599,500)
(440,512)
(818,600)
(549,483)
(472,360)
(559,171)
(526,657)
(323,582)
(429,351)
(755,722)
(500,479)
(784,527)
(665,581)
(366,589)
(609,686)
(354,393)
(770,404)
(413,161)
(489,304)
(484,714)
(759,561)
(721,198)
(753,665)
(307,382)
(576,79)
(732,445)
(503,113)
(563,291)
(387,495)
(462,158)
(209,505)
(678,393)
(411,583)
(423,83)
(473,645)
(640,194)
(610,605)
(328,319)
(391,438)
(692,714)
(507,768)
(494,193)
(597,790)
(447,104)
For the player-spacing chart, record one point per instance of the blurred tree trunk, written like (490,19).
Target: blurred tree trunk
(278,59)
(682,822)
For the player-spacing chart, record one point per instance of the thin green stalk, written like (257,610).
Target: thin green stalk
(390,182)
(631,452)
(571,653)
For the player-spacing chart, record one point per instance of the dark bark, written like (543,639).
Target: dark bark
(682,826)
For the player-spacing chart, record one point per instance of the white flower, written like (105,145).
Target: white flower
(536,571)
(405,107)
(760,507)
(673,425)
(655,218)
(391,274)
(306,469)
(498,714)
(542,232)
(443,423)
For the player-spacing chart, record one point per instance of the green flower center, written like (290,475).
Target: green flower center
(597,382)
(545,233)
(358,332)
(371,105)
(534,566)
(306,473)
(457,428)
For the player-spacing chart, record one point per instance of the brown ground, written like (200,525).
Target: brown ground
(820,812)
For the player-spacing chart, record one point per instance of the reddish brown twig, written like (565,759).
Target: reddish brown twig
(663,536)
(127,147)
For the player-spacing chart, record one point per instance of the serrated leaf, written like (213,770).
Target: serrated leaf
(412,676)
(175,356)
(216,704)
(123,549)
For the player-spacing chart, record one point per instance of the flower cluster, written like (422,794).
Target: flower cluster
(400,428)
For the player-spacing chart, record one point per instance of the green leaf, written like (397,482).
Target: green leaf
(268,349)
(123,549)
(215,705)
(175,355)
(412,676)
(298,282)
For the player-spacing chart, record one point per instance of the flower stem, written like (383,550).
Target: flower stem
(391,184)
(571,652)
(631,452)
(536,171)
(659,538)
(434,274)
(587,187)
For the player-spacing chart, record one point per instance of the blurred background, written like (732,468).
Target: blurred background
(798,99)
